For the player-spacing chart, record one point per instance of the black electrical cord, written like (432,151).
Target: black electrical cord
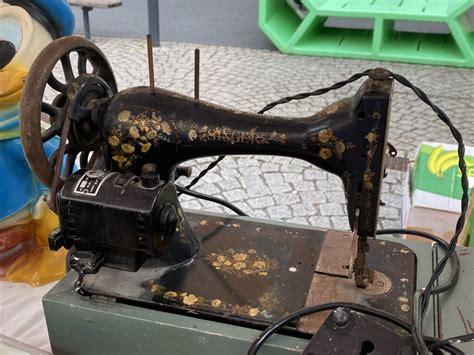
(267,333)
(455,265)
(204,172)
(422,298)
(454,340)
(220,201)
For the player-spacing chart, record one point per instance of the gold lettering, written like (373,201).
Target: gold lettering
(228,135)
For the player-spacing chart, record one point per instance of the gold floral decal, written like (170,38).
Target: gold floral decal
(242,263)
(199,302)
(329,145)
(135,135)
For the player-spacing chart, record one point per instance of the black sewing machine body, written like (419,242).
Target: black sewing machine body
(131,239)
(143,125)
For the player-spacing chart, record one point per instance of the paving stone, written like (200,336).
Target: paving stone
(391,223)
(287,198)
(292,177)
(265,158)
(208,189)
(229,184)
(320,221)
(261,202)
(248,161)
(302,209)
(396,189)
(336,196)
(313,197)
(303,185)
(279,212)
(331,209)
(270,167)
(280,187)
(297,220)
(259,214)
(388,212)
(251,171)
(215,208)
(235,195)
(230,173)
(255,186)
(291,168)
(341,223)
(329,185)
(193,204)
(212,177)
(392,200)
(393,177)
(274,178)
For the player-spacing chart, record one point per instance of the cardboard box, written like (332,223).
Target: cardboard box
(432,196)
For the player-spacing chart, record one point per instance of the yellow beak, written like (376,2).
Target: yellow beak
(12,79)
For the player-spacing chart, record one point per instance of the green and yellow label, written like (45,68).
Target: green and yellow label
(437,171)
(440,161)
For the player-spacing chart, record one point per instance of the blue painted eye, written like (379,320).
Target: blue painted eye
(10,31)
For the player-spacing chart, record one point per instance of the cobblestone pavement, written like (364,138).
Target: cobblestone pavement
(282,188)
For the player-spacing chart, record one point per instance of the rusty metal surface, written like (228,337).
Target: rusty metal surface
(40,75)
(245,272)
(336,254)
(392,289)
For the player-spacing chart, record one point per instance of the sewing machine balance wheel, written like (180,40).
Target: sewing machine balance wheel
(79,75)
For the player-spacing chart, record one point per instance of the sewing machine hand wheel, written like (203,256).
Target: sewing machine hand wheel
(73,114)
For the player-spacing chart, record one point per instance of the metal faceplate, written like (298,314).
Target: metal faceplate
(252,273)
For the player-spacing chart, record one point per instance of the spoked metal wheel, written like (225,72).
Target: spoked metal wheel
(74,112)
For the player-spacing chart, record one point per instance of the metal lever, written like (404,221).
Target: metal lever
(362,274)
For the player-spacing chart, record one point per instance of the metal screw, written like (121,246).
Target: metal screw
(340,317)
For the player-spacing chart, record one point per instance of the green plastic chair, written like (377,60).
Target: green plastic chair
(293,34)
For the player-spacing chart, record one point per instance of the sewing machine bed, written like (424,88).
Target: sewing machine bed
(254,273)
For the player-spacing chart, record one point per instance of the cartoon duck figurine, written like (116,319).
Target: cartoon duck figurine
(26,27)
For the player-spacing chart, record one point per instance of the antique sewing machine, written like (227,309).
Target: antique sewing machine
(210,279)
